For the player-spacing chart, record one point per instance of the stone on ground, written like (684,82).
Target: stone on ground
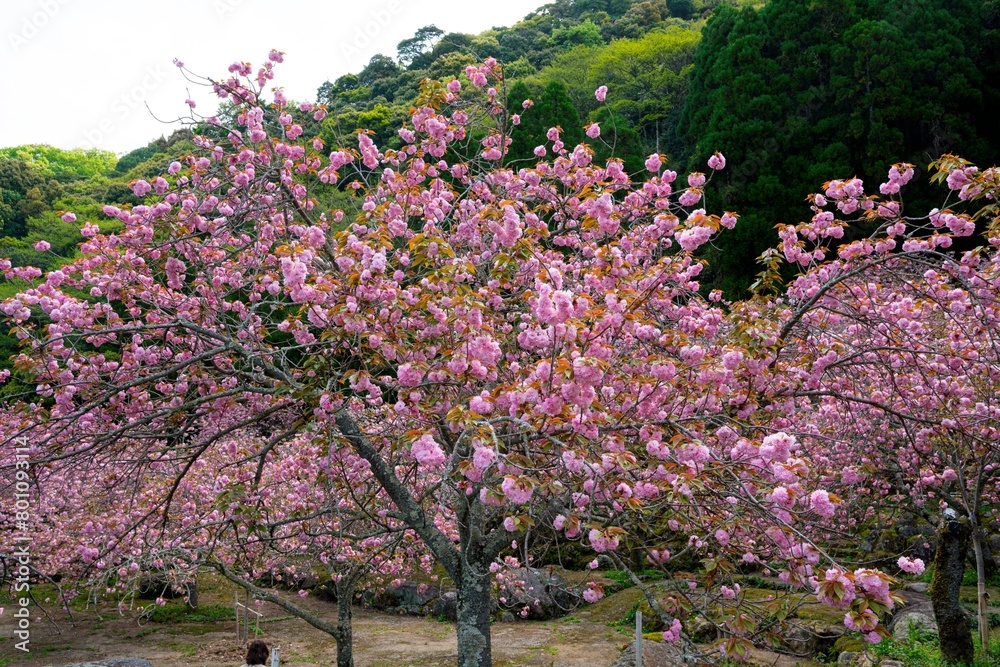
(654,654)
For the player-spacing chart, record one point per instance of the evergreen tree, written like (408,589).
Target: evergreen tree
(556,109)
(795,92)
(553,108)
(529,133)
(618,139)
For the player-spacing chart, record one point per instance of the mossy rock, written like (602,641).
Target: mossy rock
(653,636)
(612,608)
(820,612)
(759,594)
(848,643)
(650,620)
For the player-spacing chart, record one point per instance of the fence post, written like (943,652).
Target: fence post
(638,639)
(275,653)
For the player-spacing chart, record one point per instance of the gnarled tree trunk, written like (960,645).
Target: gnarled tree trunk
(954,632)
(345,633)
(474,597)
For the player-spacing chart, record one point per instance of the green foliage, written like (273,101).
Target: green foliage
(24,192)
(59,164)
(582,34)
(647,77)
(552,109)
(682,9)
(992,620)
(922,650)
(623,579)
(181,613)
(133,158)
(412,50)
(796,93)
(753,581)
(32,201)
(452,64)
(379,67)
(376,118)
(566,42)
(640,18)
(618,139)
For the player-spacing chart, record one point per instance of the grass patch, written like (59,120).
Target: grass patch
(623,579)
(921,650)
(753,581)
(184,614)
(969,577)
(992,620)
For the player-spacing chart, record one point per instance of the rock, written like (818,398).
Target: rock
(901,624)
(651,621)
(410,597)
(800,640)
(702,630)
(327,591)
(507,617)
(917,587)
(849,644)
(923,548)
(846,659)
(854,659)
(113,662)
(654,654)
(446,606)
(891,663)
(543,592)
(812,638)
(153,585)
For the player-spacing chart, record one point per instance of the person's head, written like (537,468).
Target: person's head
(257,653)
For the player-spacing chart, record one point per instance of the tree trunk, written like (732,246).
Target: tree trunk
(954,633)
(192,595)
(984,625)
(341,632)
(345,634)
(474,596)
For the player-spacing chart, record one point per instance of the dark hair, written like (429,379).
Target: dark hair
(257,653)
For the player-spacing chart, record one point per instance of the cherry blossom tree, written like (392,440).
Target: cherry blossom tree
(886,356)
(248,509)
(492,347)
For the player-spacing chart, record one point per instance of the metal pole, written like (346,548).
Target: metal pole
(638,638)
(275,652)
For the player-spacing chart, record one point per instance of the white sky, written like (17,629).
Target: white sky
(81,72)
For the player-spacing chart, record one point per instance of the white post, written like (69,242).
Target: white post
(638,638)
(275,653)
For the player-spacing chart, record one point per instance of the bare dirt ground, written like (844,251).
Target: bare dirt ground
(380,639)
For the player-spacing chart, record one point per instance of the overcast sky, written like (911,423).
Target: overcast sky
(81,72)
